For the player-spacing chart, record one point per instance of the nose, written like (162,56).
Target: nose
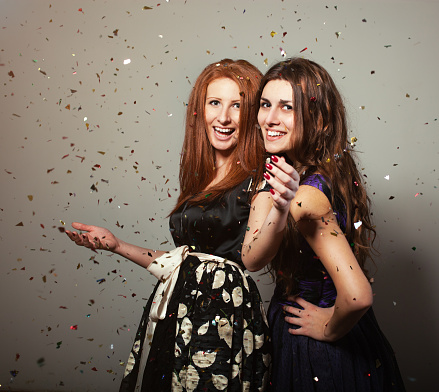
(224,115)
(272,117)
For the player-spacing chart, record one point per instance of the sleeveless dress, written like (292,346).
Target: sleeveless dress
(363,360)
(214,335)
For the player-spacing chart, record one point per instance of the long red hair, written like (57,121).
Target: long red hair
(197,162)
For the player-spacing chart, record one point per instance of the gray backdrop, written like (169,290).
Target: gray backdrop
(86,137)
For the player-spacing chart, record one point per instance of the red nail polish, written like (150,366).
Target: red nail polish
(274,158)
(268,166)
(272,191)
(267,177)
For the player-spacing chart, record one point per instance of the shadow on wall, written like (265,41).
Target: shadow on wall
(400,282)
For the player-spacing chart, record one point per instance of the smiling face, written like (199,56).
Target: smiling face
(222,115)
(276,116)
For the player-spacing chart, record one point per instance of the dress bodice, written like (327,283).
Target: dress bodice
(314,284)
(215,228)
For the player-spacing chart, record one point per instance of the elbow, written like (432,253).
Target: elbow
(252,268)
(362,301)
(253,265)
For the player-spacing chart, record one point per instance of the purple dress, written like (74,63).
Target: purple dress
(363,360)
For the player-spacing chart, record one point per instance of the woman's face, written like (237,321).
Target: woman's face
(276,117)
(222,114)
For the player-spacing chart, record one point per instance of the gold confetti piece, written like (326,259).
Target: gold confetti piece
(30,197)
(119,113)
(338,33)
(353,139)
(266,61)
(146,8)
(63,223)
(67,107)
(273,33)
(101,152)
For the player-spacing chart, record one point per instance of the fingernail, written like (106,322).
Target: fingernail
(268,166)
(274,158)
(272,191)
(267,177)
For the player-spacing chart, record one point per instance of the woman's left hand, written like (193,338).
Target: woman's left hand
(312,319)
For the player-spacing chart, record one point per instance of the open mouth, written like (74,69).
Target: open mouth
(223,133)
(273,135)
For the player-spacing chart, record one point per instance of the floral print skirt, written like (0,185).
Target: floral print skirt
(214,336)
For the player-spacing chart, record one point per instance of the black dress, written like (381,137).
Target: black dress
(215,335)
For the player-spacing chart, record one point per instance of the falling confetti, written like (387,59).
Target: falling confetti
(358,224)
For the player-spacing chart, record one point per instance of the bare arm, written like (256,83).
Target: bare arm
(268,216)
(317,223)
(96,237)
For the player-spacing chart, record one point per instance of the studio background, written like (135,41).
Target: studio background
(92,107)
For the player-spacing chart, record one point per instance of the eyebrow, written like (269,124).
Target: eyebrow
(281,101)
(220,99)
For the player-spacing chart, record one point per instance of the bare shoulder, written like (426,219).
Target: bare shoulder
(310,203)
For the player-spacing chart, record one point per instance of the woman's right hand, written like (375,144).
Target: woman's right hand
(284,180)
(95,237)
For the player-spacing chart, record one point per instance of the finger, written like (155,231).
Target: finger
(293,320)
(279,189)
(297,331)
(304,304)
(277,172)
(285,167)
(86,241)
(294,311)
(82,226)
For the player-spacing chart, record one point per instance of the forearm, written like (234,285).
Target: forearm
(137,254)
(346,315)
(263,244)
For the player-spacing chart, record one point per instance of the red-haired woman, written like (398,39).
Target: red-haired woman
(204,327)
(325,336)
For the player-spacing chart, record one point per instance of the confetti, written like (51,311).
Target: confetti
(358,224)
(387,177)
(127,61)
(273,33)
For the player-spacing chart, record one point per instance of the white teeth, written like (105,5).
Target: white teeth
(272,133)
(224,130)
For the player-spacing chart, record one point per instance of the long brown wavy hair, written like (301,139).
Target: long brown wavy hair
(197,162)
(320,145)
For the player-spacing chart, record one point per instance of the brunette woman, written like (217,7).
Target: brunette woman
(204,327)
(324,333)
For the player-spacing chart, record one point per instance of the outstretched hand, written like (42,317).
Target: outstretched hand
(95,237)
(312,319)
(284,180)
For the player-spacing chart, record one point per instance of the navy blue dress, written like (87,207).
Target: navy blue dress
(361,361)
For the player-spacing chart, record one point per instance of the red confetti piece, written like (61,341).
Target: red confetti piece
(303,50)
(73,327)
